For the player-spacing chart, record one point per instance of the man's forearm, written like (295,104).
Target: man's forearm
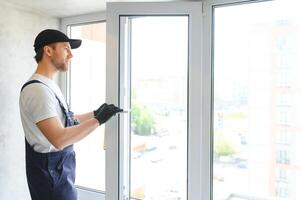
(84,117)
(60,136)
(73,134)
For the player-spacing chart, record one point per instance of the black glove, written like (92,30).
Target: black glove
(106,112)
(97,111)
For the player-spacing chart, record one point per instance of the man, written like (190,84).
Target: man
(50,128)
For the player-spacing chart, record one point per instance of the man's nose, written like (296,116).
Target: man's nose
(70,54)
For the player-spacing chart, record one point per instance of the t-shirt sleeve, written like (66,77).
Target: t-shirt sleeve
(40,102)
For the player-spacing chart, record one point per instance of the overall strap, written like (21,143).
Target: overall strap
(30,82)
(37,81)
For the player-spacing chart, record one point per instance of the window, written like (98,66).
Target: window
(87,82)
(282,175)
(158,102)
(256,54)
(283,136)
(283,157)
(153,74)
(157,93)
(282,190)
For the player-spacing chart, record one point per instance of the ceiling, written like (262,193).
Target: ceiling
(62,8)
(59,8)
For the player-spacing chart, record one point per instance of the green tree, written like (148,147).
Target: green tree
(143,122)
(223,148)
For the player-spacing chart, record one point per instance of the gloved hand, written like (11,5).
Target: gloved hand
(97,111)
(106,112)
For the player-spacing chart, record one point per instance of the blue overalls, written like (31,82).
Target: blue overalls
(51,176)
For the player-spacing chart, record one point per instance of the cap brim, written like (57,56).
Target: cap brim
(75,43)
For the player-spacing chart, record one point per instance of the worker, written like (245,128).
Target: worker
(49,126)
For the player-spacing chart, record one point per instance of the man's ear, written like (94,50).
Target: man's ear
(47,50)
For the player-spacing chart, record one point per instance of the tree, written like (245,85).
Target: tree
(223,148)
(143,122)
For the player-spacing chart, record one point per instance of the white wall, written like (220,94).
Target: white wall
(18,28)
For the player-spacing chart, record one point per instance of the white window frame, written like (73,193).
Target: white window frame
(64,82)
(199,113)
(207,62)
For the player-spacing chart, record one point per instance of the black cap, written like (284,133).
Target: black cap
(50,36)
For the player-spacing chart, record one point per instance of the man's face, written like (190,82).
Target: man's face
(61,55)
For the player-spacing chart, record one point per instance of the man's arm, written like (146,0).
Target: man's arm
(60,136)
(84,117)
(89,115)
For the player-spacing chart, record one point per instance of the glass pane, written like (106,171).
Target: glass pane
(87,92)
(257,57)
(159,69)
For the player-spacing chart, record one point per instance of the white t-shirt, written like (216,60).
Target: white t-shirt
(38,102)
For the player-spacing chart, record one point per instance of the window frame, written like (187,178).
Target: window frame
(198,165)
(208,58)
(65,80)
